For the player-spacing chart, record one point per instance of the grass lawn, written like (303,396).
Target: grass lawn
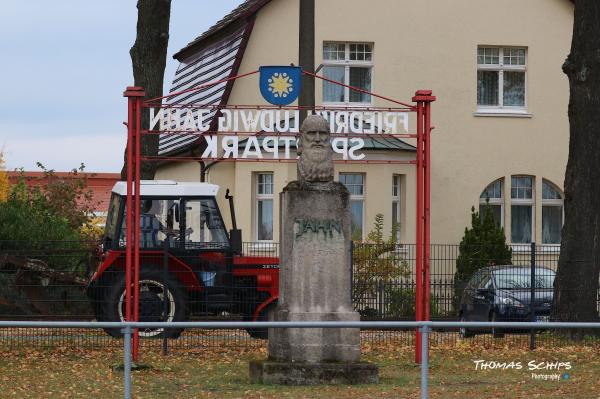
(223,373)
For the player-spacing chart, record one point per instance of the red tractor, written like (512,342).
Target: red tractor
(189,265)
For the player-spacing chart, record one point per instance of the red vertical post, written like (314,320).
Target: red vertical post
(423,98)
(128,219)
(136,244)
(426,215)
(419,232)
(134,95)
(428,99)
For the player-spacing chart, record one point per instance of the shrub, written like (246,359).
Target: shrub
(43,226)
(401,303)
(25,217)
(484,244)
(375,261)
(50,216)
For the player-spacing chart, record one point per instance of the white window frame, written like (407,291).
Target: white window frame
(552,202)
(396,203)
(524,202)
(347,63)
(495,201)
(261,197)
(356,197)
(501,109)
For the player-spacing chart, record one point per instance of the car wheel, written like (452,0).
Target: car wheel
(496,332)
(265,315)
(153,288)
(464,332)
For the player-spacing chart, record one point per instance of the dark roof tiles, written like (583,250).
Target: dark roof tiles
(244,10)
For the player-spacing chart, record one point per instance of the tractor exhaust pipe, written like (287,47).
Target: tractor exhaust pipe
(235,234)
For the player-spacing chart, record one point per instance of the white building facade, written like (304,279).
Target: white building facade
(501,128)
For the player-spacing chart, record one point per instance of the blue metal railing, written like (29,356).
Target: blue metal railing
(424,326)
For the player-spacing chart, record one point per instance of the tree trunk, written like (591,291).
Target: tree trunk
(306,54)
(149,58)
(576,284)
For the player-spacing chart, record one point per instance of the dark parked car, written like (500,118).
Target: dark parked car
(503,293)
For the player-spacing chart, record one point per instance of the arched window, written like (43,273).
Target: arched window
(493,195)
(552,213)
(523,201)
(521,209)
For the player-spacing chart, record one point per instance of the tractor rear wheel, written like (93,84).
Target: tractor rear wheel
(154,288)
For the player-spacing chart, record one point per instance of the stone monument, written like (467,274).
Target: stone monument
(314,276)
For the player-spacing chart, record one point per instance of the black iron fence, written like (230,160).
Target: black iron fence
(384,277)
(46,280)
(66,281)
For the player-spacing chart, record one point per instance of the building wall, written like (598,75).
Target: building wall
(421,45)
(240,179)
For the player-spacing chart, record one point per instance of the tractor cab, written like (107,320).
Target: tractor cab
(183,216)
(188,263)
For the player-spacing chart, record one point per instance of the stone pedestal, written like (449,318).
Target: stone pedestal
(287,373)
(314,285)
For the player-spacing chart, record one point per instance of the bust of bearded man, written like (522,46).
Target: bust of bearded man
(314,148)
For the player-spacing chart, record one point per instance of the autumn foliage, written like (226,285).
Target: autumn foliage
(53,211)
(54,208)
(4,183)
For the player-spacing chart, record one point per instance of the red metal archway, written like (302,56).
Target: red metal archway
(421,107)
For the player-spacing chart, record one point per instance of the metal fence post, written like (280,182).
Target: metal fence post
(352,271)
(127,361)
(380,301)
(165,344)
(424,360)
(532,297)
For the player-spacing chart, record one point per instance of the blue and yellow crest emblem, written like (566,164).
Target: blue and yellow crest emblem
(280,85)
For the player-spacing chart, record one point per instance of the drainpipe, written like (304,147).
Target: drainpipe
(204,169)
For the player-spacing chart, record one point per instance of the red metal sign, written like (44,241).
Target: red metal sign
(210,122)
